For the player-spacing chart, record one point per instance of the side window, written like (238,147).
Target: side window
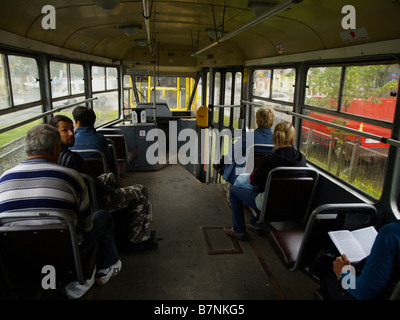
(77,79)
(24,75)
(273,88)
(67,80)
(105,89)
(59,79)
(19,85)
(5,96)
(367,104)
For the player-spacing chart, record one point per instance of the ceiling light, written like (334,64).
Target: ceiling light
(83,46)
(131,30)
(107,4)
(141,42)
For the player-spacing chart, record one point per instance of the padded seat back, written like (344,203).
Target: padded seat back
(288,199)
(253,159)
(331,217)
(297,249)
(91,190)
(95,159)
(31,240)
(288,194)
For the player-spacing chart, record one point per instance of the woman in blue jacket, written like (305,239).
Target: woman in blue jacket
(265,117)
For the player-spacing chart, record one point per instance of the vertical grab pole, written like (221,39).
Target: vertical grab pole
(209,137)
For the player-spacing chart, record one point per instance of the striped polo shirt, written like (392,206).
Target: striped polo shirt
(38,184)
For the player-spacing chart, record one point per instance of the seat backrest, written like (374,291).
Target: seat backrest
(395,291)
(31,240)
(67,159)
(92,190)
(120,144)
(119,137)
(288,194)
(114,165)
(253,159)
(97,161)
(331,217)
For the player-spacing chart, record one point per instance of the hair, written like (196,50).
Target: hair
(85,116)
(41,139)
(56,119)
(283,134)
(265,117)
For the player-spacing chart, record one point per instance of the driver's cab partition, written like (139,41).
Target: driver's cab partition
(156,138)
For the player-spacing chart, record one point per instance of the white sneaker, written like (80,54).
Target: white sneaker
(75,290)
(103,277)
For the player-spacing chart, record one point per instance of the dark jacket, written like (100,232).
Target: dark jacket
(74,160)
(282,157)
(262,135)
(88,138)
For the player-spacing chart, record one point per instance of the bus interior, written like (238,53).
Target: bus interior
(179,80)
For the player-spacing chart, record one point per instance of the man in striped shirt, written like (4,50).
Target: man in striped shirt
(40,183)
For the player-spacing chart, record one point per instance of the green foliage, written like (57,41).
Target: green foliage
(369,83)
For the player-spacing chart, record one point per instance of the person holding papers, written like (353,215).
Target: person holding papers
(382,267)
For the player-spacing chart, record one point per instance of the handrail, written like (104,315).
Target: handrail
(227,106)
(273,11)
(389,141)
(21,123)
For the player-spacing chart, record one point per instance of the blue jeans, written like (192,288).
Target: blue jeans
(239,196)
(103,234)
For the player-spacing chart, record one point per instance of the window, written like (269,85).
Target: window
(237,97)
(367,91)
(24,75)
(98,78)
(66,80)
(367,104)
(217,95)
(198,98)
(262,83)
(67,85)
(283,84)
(174,91)
(19,85)
(5,97)
(273,88)
(105,89)
(129,97)
(228,98)
(77,79)
(323,87)
(112,78)
(59,79)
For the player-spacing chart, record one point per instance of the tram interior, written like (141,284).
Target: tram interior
(195,259)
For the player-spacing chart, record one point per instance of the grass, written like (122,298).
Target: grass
(361,181)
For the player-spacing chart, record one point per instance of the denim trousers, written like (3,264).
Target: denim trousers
(102,233)
(239,196)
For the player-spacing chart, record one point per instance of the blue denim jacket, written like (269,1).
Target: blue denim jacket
(88,138)
(262,135)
